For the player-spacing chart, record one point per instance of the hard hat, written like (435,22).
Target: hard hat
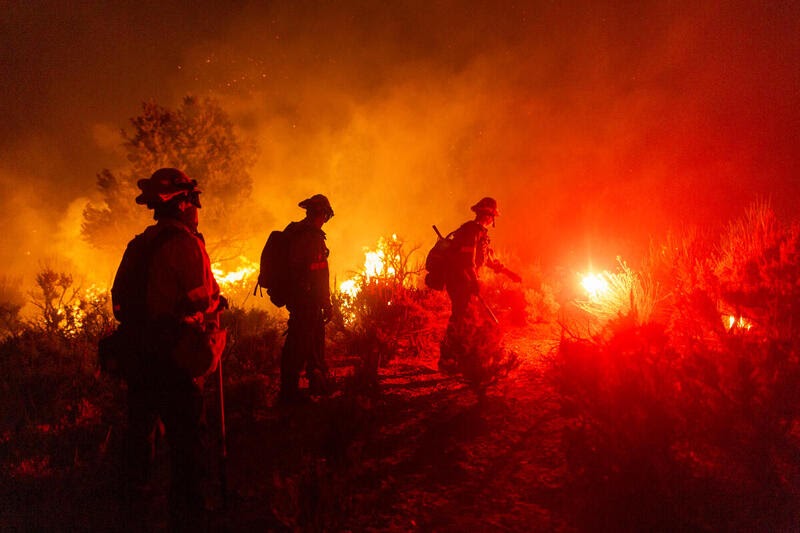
(317,204)
(166,184)
(487,206)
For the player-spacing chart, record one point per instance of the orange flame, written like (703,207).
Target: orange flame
(741,323)
(237,278)
(378,265)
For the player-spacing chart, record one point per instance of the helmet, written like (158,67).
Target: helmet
(166,184)
(487,206)
(316,204)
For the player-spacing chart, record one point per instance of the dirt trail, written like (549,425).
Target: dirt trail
(424,453)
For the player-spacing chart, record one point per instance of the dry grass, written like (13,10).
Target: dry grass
(627,293)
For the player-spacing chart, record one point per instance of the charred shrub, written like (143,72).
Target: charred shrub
(251,359)
(387,323)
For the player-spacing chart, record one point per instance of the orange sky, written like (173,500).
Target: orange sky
(595,127)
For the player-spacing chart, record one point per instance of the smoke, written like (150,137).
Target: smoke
(596,127)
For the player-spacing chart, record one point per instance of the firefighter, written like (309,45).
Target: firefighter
(164,283)
(308,302)
(472,250)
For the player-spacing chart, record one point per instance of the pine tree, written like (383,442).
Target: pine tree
(199,138)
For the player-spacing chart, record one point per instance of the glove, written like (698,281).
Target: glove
(223,303)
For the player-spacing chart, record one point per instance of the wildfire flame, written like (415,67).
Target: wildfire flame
(72,316)
(740,323)
(350,287)
(235,279)
(378,262)
(378,266)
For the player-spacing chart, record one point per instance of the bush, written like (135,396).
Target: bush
(381,313)
(477,347)
(758,265)
(255,339)
(684,412)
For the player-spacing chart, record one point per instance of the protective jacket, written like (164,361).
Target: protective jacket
(181,283)
(308,266)
(471,251)
(164,277)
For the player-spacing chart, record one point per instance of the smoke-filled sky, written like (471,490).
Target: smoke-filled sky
(595,126)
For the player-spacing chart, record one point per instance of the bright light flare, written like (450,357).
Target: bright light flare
(595,285)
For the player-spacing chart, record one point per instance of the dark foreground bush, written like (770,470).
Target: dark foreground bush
(691,420)
(702,440)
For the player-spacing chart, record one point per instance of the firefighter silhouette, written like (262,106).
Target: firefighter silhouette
(471,250)
(308,302)
(164,282)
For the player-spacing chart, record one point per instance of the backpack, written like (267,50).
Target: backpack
(130,284)
(438,260)
(118,351)
(274,267)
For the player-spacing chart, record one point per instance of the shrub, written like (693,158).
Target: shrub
(478,349)
(11,303)
(682,412)
(758,265)
(255,339)
(380,312)
(625,293)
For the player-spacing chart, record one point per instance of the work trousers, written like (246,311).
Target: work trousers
(452,345)
(304,348)
(173,397)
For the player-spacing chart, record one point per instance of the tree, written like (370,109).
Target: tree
(198,138)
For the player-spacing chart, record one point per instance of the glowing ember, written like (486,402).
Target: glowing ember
(595,285)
